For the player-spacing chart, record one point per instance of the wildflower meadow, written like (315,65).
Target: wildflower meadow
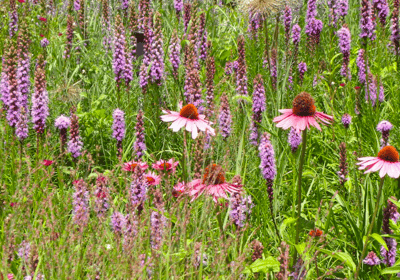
(199,139)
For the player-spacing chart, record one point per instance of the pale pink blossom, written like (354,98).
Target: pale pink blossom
(387,163)
(163,165)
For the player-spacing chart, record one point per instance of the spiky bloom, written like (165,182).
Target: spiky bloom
(389,257)
(124,4)
(102,196)
(138,191)
(174,53)
(178,5)
(394,27)
(274,67)
(371,89)
(13,15)
(144,14)
(23,69)
(302,71)
(40,100)
(179,189)
(302,115)
(193,87)
(75,144)
(80,203)
(372,259)
(4,89)
(118,125)
(255,24)
(241,74)
(287,20)
(228,68)
(367,25)
(267,165)
(152,178)
(258,107)
(361,66)
(13,98)
(77,5)
(346,120)
(384,127)
(128,70)
(299,270)
(157,53)
(70,36)
(389,213)
(186,14)
(144,74)
(166,166)
(24,251)
(381,92)
(133,28)
(131,166)
(240,208)
(213,184)
(158,222)
(258,249)
(333,12)
(344,45)
(118,222)
(343,164)
(210,73)
(106,26)
(311,10)
(119,51)
(62,123)
(202,37)
(140,145)
(343,8)
(131,227)
(382,8)
(387,163)
(22,124)
(225,117)
(44,43)
(296,33)
(283,258)
(313,30)
(294,139)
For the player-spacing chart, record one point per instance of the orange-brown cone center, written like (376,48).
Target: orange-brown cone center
(166,166)
(303,105)
(133,166)
(190,112)
(389,153)
(150,180)
(213,174)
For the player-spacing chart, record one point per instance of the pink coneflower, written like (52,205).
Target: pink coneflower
(188,116)
(152,179)
(302,115)
(179,189)
(387,162)
(213,183)
(47,162)
(131,165)
(164,165)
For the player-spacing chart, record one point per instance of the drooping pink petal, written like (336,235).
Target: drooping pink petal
(194,131)
(282,117)
(169,118)
(383,171)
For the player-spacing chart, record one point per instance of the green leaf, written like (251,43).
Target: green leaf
(246,98)
(379,238)
(270,264)
(391,270)
(341,256)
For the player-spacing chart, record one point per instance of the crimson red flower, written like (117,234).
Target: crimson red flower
(47,162)
(60,34)
(315,233)
(41,35)
(21,1)
(357,87)
(12,204)
(43,19)
(342,84)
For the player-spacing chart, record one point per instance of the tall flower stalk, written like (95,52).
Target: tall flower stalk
(40,100)
(140,145)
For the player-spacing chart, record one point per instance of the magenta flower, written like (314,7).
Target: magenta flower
(75,144)
(131,165)
(387,163)
(118,125)
(163,165)
(188,116)
(346,120)
(152,179)
(372,259)
(179,189)
(47,162)
(302,115)
(213,184)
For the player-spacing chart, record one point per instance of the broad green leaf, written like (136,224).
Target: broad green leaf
(270,264)
(379,238)
(341,256)
(391,270)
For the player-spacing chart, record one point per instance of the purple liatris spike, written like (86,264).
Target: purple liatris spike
(75,144)
(343,8)
(311,10)
(119,51)
(333,12)
(62,123)
(70,36)
(13,98)
(102,195)
(302,71)
(210,69)
(372,259)
(267,165)
(287,20)
(255,23)
(389,213)
(118,222)
(128,70)
(313,30)
(40,100)
(367,25)
(157,53)
(77,5)
(22,125)
(118,125)
(240,208)
(4,89)
(44,43)
(274,67)
(344,45)
(138,191)
(294,139)
(144,74)
(178,5)
(299,270)
(382,8)
(225,118)
(124,4)
(24,251)
(394,27)
(202,37)
(13,25)
(371,89)
(241,77)
(296,33)
(23,68)
(258,108)
(158,222)
(384,127)
(361,66)
(346,120)
(186,14)
(140,145)
(81,204)
(381,92)
(174,53)
(389,257)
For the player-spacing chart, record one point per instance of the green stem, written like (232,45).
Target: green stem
(371,226)
(302,156)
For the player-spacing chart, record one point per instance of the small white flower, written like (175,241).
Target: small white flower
(108,246)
